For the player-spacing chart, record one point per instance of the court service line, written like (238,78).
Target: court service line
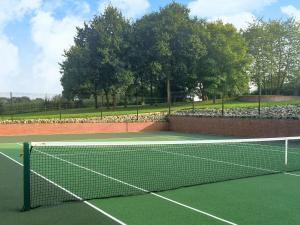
(266,148)
(293,174)
(95,153)
(229,163)
(69,192)
(139,188)
(218,161)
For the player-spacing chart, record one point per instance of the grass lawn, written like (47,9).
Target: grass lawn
(91,112)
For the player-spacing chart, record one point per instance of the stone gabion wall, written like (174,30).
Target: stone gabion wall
(146,117)
(273,112)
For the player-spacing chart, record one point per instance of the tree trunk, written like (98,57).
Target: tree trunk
(106,98)
(114,100)
(259,97)
(151,93)
(169,91)
(96,100)
(222,104)
(125,100)
(142,91)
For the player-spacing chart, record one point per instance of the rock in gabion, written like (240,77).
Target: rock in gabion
(272,112)
(145,117)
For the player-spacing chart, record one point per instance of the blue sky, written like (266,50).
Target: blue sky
(34,33)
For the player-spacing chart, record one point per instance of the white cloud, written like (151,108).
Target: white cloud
(291,11)
(130,8)
(15,9)
(83,7)
(240,21)
(9,63)
(237,12)
(11,10)
(209,8)
(52,36)
(78,7)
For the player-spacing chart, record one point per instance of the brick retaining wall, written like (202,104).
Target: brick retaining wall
(235,127)
(222,126)
(79,128)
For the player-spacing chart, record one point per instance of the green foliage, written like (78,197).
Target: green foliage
(224,68)
(1,107)
(275,48)
(170,45)
(98,59)
(74,70)
(161,53)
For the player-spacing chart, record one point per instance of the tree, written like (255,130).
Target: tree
(225,67)
(114,35)
(98,60)
(275,48)
(74,70)
(169,46)
(143,57)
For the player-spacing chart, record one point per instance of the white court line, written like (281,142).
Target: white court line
(69,192)
(293,174)
(234,164)
(15,161)
(138,188)
(218,161)
(96,153)
(267,148)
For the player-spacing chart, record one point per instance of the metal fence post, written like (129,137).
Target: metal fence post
(11,106)
(45,103)
(137,108)
(193,102)
(59,108)
(169,106)
(259,103)
(222,104)
(101,107)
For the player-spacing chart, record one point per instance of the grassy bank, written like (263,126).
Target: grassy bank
(92,112)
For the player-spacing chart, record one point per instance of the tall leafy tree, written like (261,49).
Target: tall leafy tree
(225,67)
(177,45)
(275,48)
(74,70)
(100,53)
(169,46)
(114,37)
(80,69)
(144,57)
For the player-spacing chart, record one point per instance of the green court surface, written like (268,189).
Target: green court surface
(266,196)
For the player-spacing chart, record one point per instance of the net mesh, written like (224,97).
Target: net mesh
(80,171)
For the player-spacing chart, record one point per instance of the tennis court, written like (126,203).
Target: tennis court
(157,178)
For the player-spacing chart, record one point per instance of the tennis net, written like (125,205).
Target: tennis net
(56,172)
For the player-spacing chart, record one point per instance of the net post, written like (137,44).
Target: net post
(286,152)
(26,177)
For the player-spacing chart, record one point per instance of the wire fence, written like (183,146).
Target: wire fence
(24,106)
(14,106)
